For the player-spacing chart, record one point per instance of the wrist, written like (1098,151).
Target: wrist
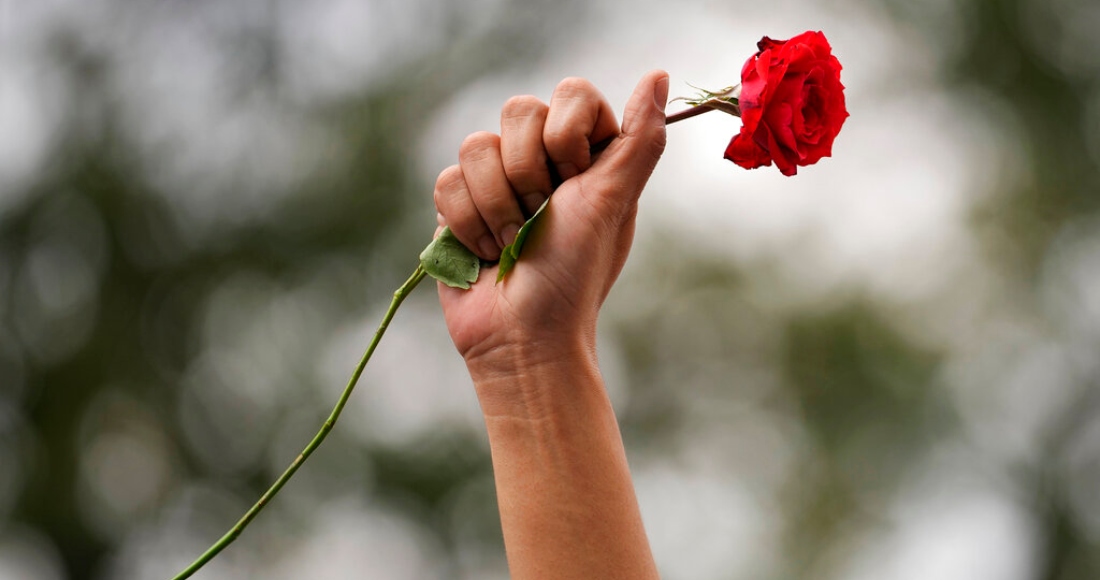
(563,484)
(533,379)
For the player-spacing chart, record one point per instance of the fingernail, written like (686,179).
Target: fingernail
(508,235)
(439,219)
(566,170)
(660,93)
(488,247)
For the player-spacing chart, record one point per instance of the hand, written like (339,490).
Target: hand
(547,307)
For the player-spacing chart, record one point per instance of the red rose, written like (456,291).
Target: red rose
(792,104)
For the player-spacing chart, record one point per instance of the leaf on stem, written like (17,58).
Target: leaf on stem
(510,253)
(448,261)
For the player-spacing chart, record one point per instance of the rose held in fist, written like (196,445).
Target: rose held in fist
(792,104)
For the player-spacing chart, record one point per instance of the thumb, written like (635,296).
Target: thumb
(630,159)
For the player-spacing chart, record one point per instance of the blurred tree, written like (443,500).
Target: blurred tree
(132,299)
(140,323)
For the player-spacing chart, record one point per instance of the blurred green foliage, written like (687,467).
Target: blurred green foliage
(130,318)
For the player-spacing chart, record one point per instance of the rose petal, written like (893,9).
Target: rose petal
(744,151)
(792,104)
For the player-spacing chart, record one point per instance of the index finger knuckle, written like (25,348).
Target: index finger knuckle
(576,88)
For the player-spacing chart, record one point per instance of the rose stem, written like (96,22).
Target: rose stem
(687,114)
(398,297)
(673,118)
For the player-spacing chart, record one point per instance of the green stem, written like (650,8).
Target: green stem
(398,297)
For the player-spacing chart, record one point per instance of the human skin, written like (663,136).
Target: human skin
(567,504)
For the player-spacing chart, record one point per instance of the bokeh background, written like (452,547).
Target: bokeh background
(884,368)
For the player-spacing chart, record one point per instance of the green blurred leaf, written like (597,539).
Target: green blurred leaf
(511,252)
(448,261)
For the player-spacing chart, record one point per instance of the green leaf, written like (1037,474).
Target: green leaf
(510,253)
(448,261)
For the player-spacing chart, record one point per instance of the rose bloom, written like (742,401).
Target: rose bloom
(792,104)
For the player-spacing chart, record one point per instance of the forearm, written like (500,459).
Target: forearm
(567,504)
